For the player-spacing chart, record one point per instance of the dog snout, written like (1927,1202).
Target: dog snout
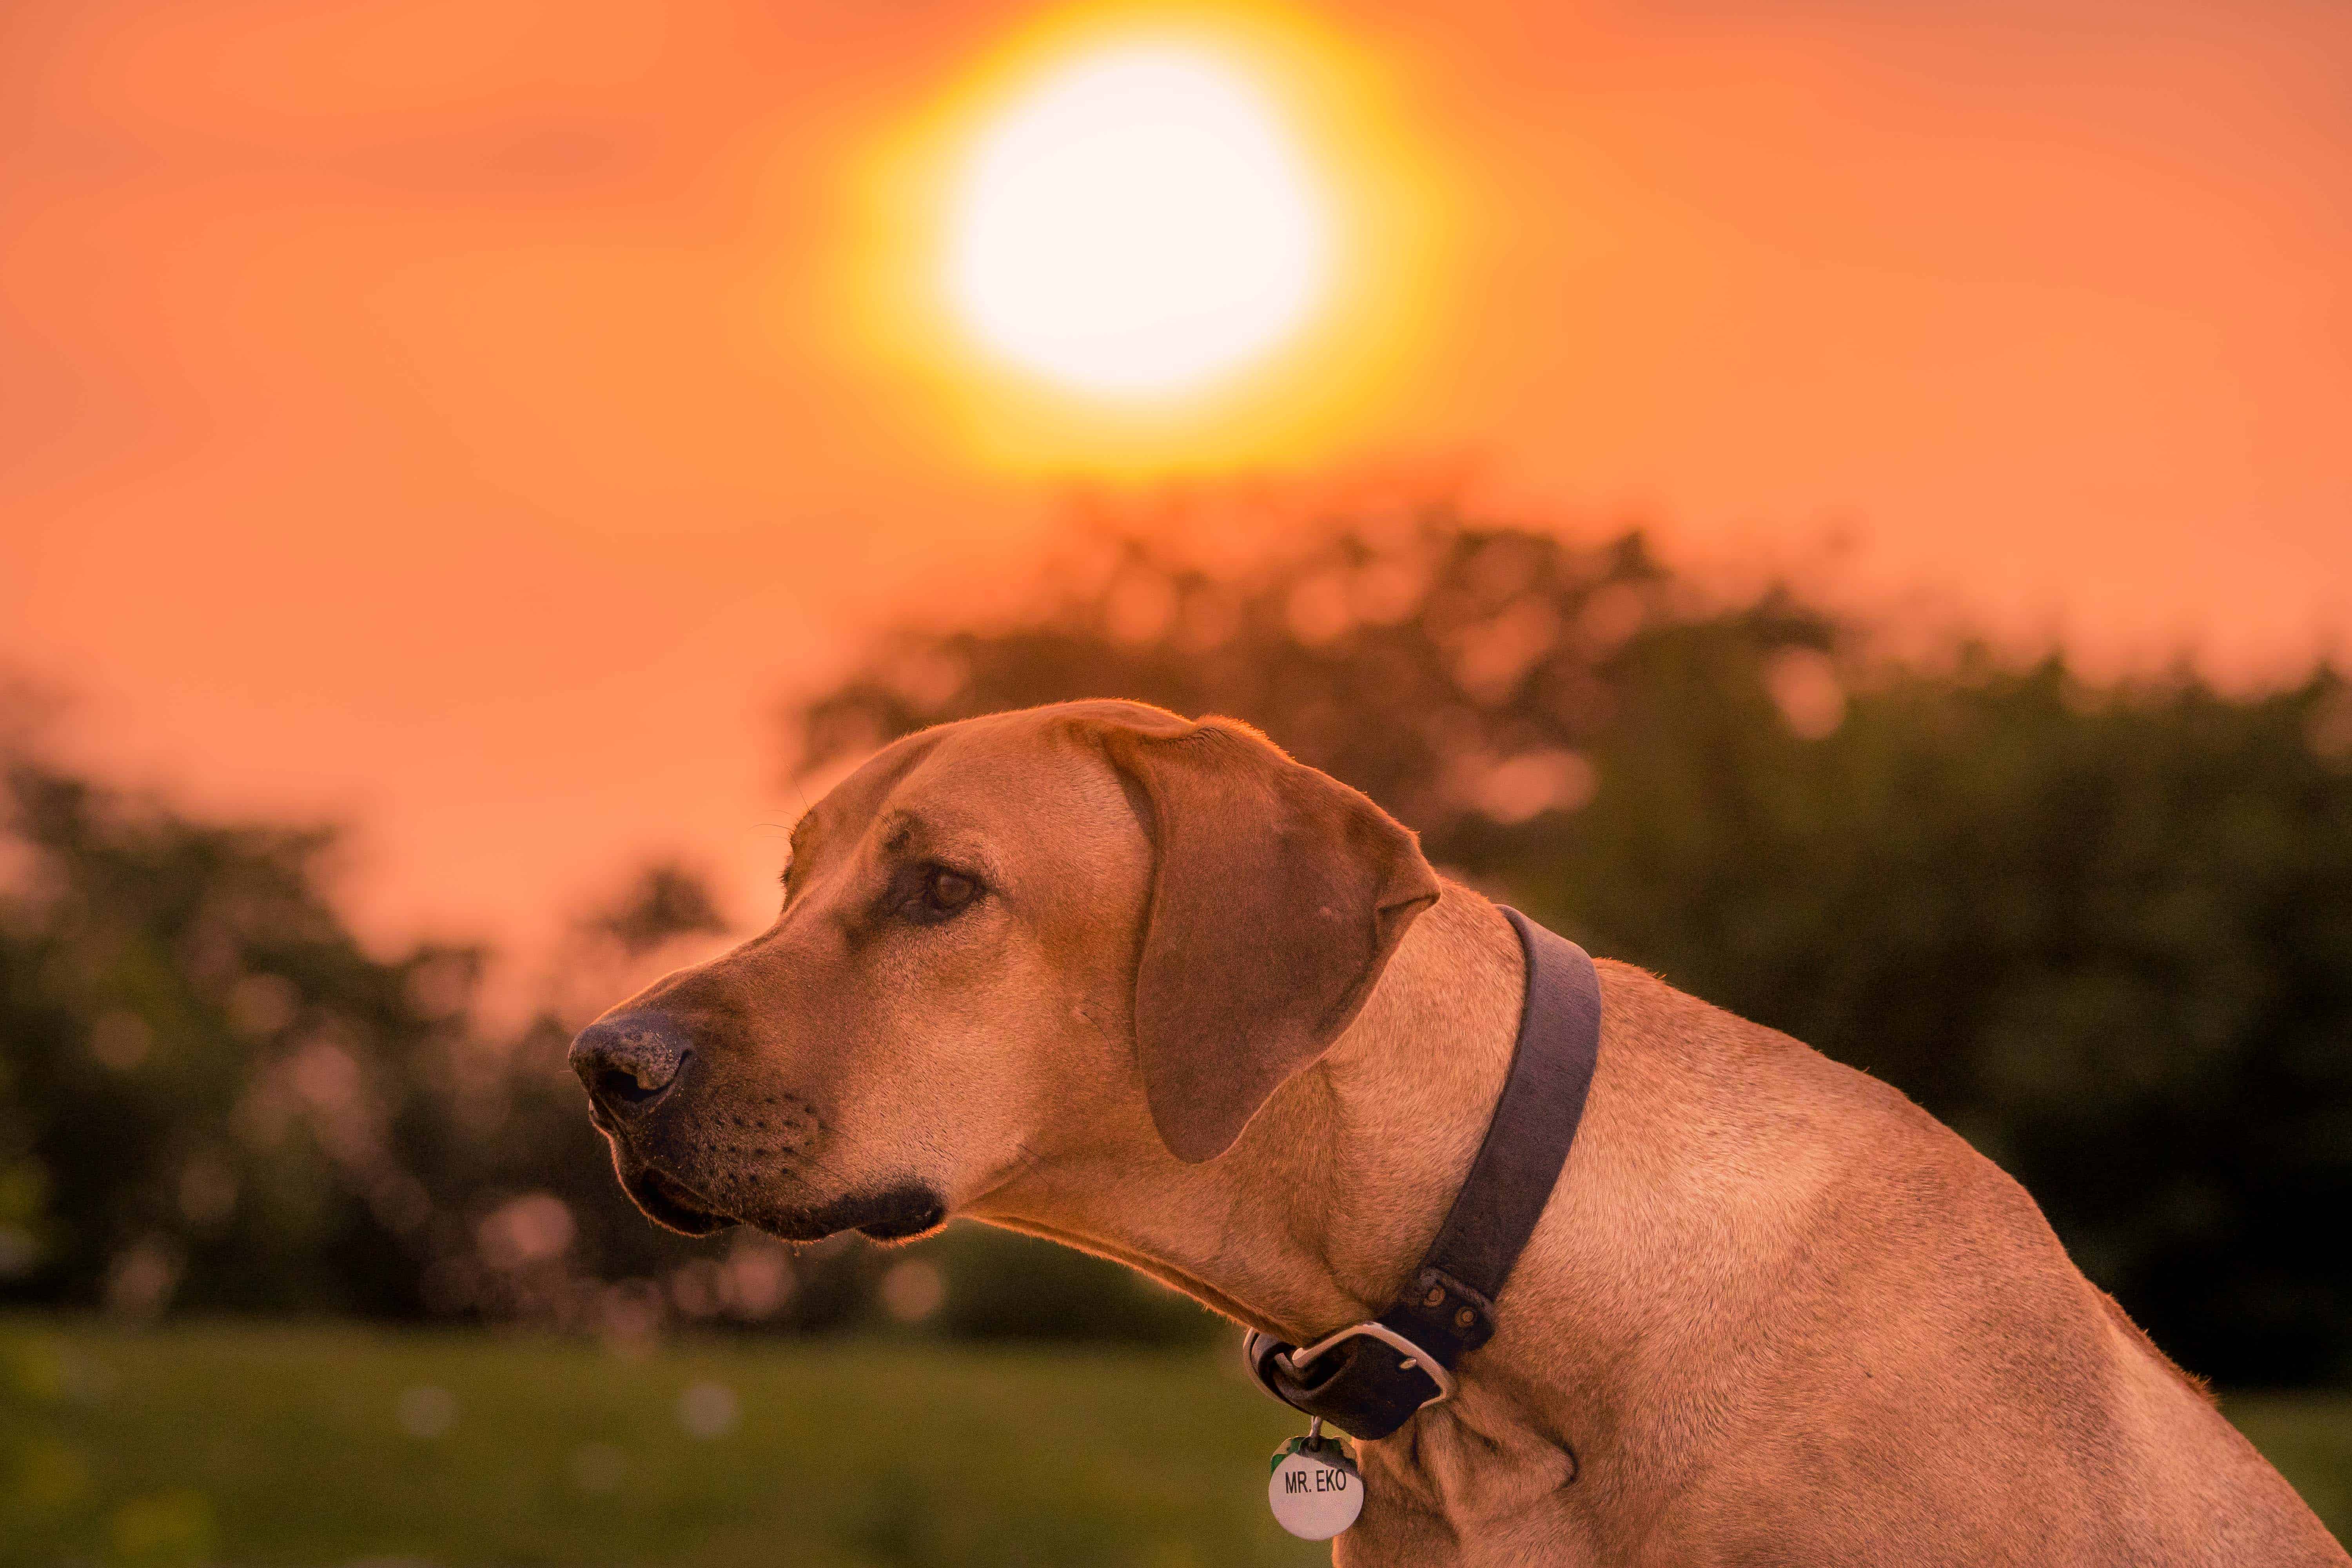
(629,1061)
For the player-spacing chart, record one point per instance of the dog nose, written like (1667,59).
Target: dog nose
(630,1061)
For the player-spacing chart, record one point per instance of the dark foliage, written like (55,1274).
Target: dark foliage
(2105,930)
(212,1097)
(212,1094)
(2105,933)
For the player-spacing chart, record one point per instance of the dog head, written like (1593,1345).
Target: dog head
(1001,939)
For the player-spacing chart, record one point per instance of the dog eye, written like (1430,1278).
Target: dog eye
(945,890)
(944,893)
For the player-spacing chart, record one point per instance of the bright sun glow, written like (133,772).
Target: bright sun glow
(1136,225)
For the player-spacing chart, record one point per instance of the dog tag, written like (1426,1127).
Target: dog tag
(1316,1491)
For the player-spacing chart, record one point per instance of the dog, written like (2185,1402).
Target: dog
(1151,988)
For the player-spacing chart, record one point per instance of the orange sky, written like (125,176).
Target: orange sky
(441,411)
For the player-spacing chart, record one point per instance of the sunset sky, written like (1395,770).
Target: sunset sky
(469,416)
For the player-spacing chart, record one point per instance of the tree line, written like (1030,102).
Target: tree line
(2101,927)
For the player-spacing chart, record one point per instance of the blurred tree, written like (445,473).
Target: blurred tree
(213,1095)
(1456,672)
(665,902)
(2105,932)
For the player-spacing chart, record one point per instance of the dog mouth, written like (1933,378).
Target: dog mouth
(899,1212)
(671,1203)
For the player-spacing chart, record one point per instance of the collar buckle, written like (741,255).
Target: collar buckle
(1262,1354)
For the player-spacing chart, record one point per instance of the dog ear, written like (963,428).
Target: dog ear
(1278,895)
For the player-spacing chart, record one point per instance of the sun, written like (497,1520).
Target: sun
(1132,240)
(1136,224)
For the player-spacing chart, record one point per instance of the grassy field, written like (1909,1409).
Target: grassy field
(340,1445)
(344,1446)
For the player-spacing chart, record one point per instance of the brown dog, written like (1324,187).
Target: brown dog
(1151,988)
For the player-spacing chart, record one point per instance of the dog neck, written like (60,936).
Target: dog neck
(1320,1214)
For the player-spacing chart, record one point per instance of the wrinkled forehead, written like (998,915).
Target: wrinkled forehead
(1012,778)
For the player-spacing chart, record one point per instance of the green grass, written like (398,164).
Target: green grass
(2309,1437)
(278,1445)
(281,1445)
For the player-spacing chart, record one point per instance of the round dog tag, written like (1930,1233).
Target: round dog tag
(1317,1490)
